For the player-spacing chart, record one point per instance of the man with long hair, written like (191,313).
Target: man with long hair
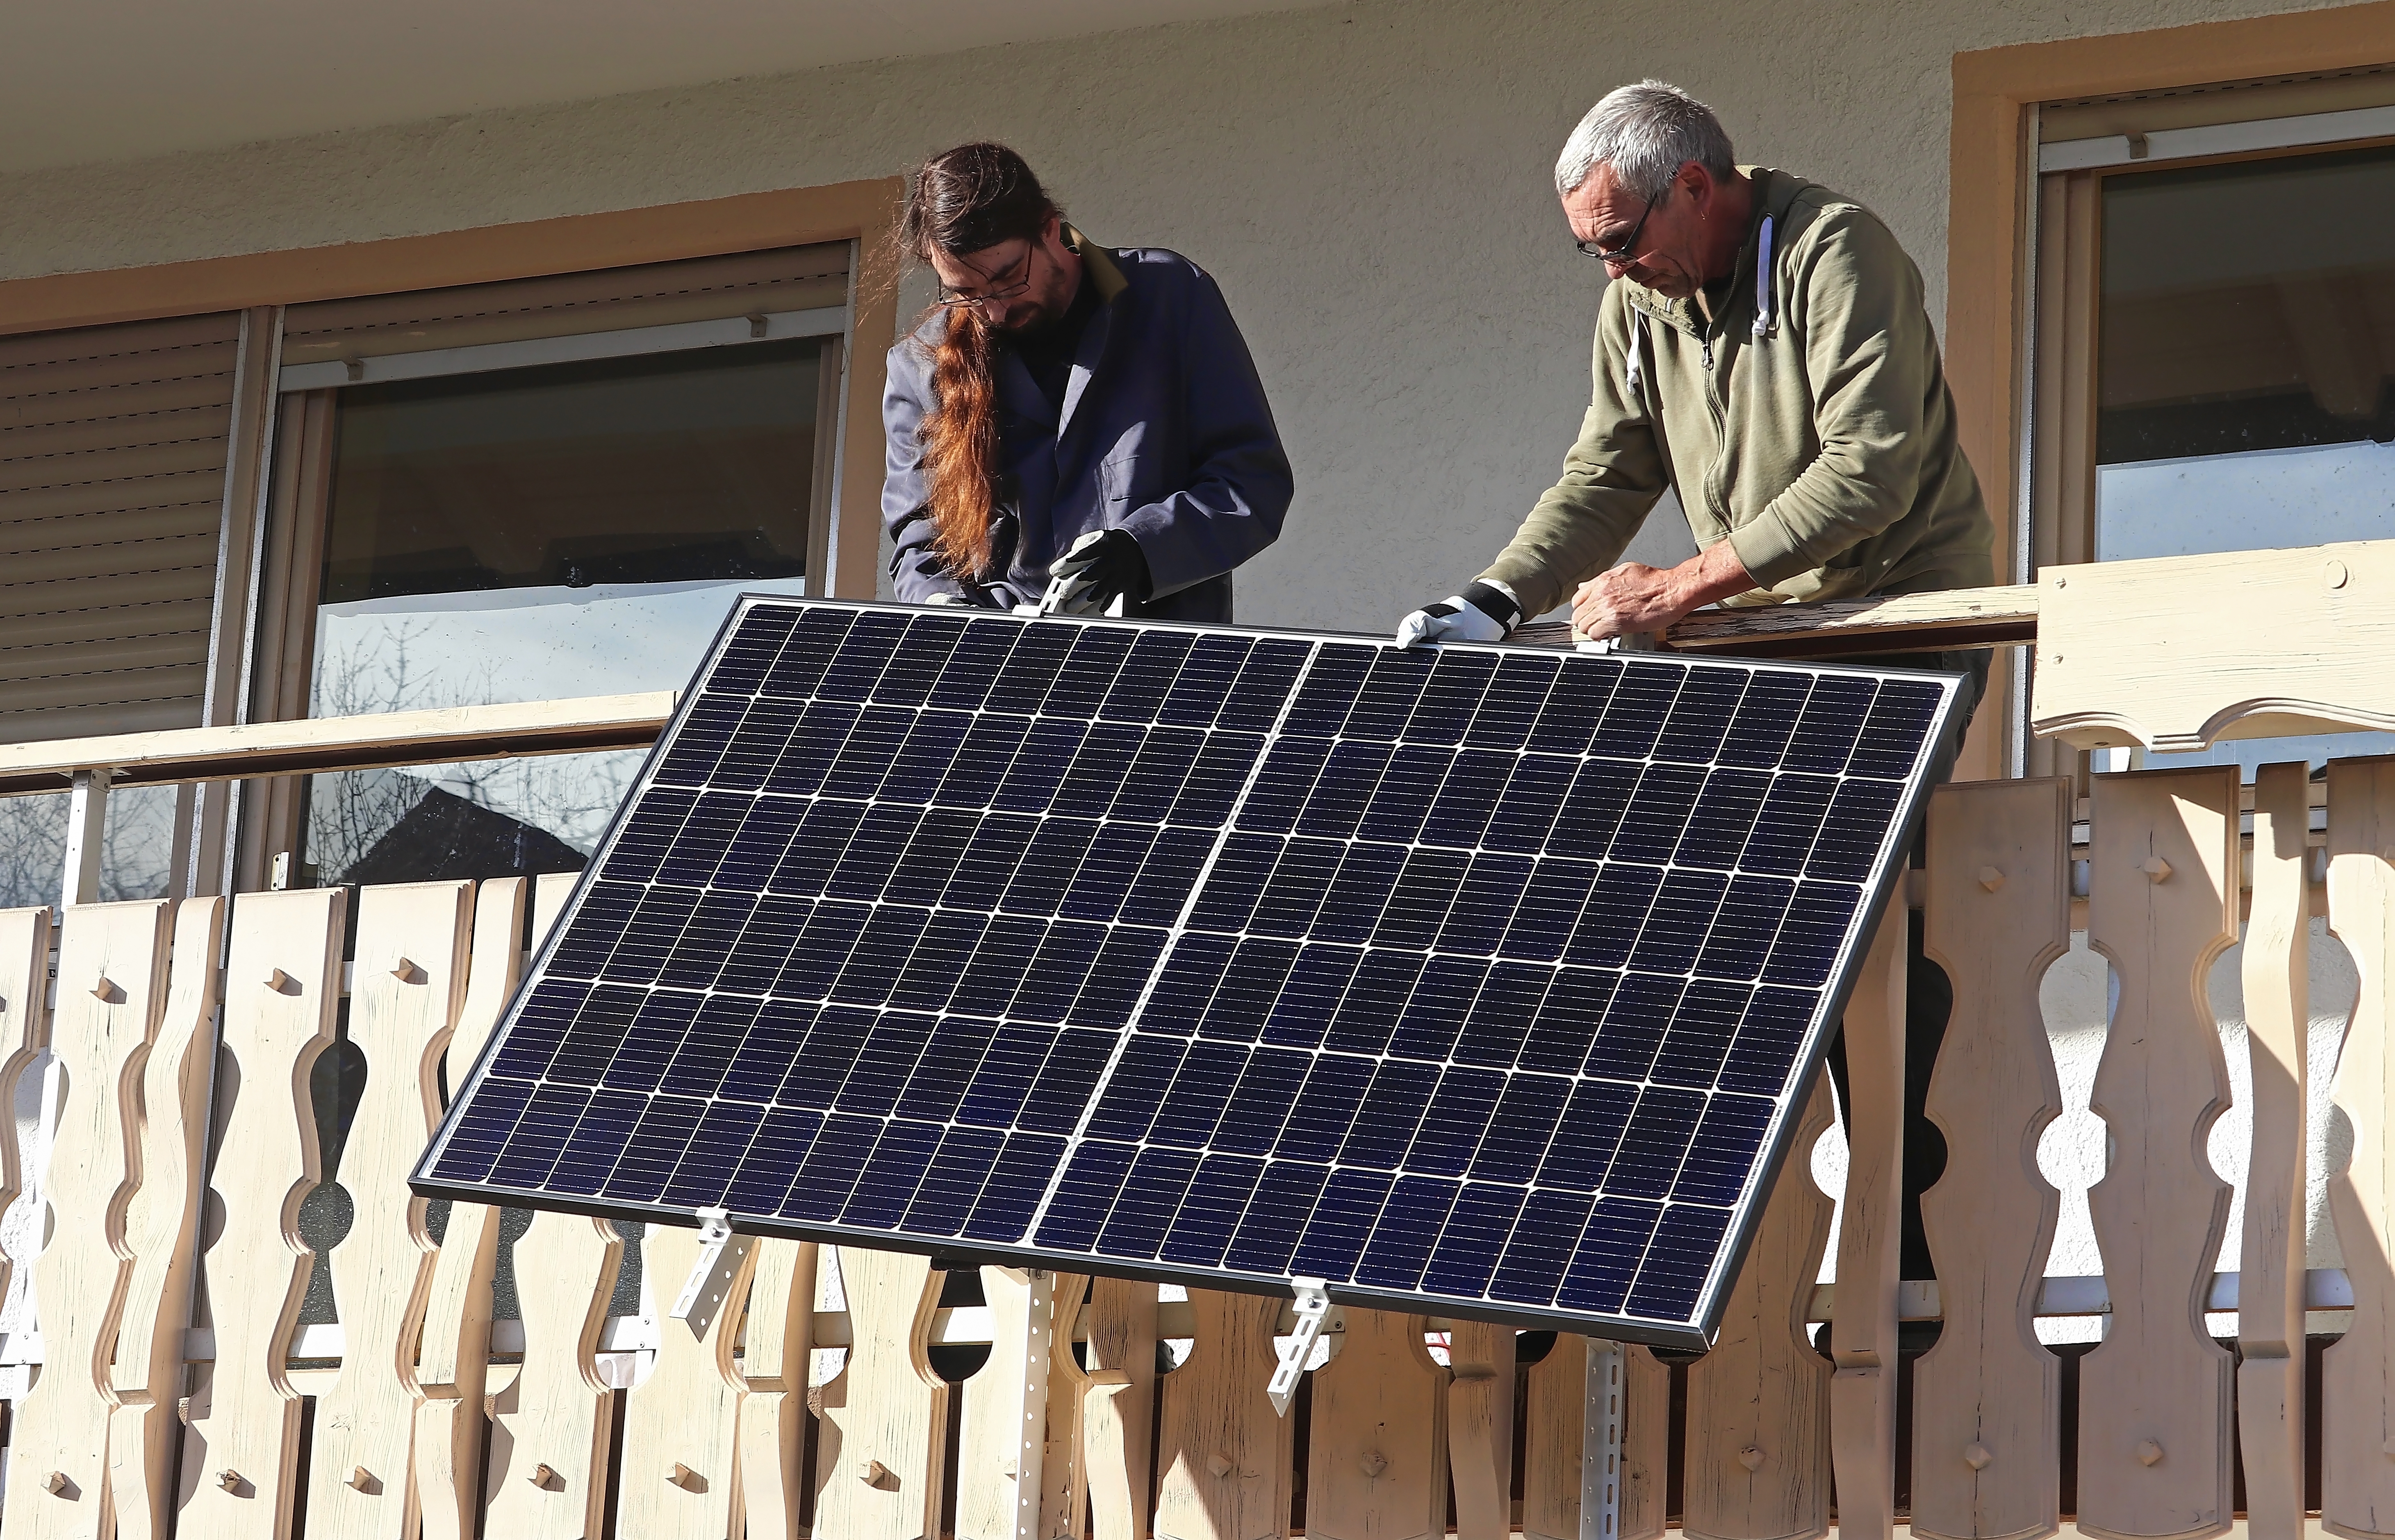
(1070,422)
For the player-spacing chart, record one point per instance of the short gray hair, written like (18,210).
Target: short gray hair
(1645,132)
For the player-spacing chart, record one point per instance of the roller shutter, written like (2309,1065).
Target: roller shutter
(112,452)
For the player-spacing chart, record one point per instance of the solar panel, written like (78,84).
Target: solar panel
(1484,981)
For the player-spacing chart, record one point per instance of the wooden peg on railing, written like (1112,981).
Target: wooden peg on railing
(80,1278)
(162,1223)
(2158,1378)
(244,1418)
(1758,1445)
(2358,1371)
(685,1417)
(1119,1408)
(383,1266)
(1376,1456)
(1480,1428)
(1986,1400)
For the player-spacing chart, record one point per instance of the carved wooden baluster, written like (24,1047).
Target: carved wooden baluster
(1120,1409)
(2271,1252)
(2358,1372)
(2154,1396)
(774,1414)
(1376,1457)
(453,1362)
(162,1232)
(1758,1427)
(1987,1424)
(111,993)
(282,993)
(1862,1335)
(1480,1428)
(886,1416)
(1063,1473)
(1224,1453)
(24,1033)
(682,1425)
(405,988)
(1003,1442)
(1645,1442)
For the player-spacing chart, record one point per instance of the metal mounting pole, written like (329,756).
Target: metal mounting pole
(1312,1308)
(87,818)
(1600,1445)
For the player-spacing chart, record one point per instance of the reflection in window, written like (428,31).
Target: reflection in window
(135,849)
(540,533)
(2246,354)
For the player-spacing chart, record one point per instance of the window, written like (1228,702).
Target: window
(2215,344)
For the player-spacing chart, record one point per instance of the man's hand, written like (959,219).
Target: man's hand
(1482,612)
(1634,599)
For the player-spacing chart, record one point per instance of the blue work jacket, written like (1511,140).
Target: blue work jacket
(1164,432)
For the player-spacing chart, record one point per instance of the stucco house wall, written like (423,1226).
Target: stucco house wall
(1370,182)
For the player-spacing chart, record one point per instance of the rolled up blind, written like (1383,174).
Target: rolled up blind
(112,453)
(658,294)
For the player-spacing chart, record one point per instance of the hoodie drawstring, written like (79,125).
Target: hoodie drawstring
(1762,281)
(1635,372)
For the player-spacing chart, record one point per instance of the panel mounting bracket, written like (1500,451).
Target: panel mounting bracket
(709,1283)
(1312,1307)
(1600,1451)
(1633,641)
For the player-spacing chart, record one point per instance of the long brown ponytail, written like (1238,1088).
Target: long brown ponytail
(962,200)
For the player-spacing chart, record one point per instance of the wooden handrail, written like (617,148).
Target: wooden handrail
(1893,622)
(514,731)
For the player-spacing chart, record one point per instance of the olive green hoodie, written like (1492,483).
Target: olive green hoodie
(1809,422)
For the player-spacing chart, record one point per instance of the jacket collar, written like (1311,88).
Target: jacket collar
(1775,194)
(1097,263)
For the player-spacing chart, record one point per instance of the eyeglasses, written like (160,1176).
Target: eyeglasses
(1619,256)
(952,301)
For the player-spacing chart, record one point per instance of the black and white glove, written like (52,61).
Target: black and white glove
(1482,612)
(1102,573)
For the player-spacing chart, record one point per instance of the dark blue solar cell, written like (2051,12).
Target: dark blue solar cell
(942,953)
(813,640)
(1404,796)
(1031,782)
(1551,904)
(1434,1017)
(1655,1143)
(999,964)
(1855,830)
(1399,1249)
(1657,815)
(1831,723)
(1255,701)
(1146,676)
(1260,1105)
(760,1182)
(884,1065)
(1701,1029)
(755,960)
(1300,1017)
(1701,715)
(1236,882)
(1359,894)
(590,1156)
(698,955)
(1789,826)
(1768,1041)
(587,1047)
(952,1180)
(1460,815)
(864,755)
(1216,780)
(990,861)
(1452,697)
(1897,732)
(1502,1013)
(1191,970)
(483,1130)
(816,742)
(1458,1117)
(1592,810)
(1526,815)
(964,681)
(533,1142)
(1340,1223)
(1081,685)
(995,1097)
(1031,668)
(1636,1019)
(1332,681)
(1567,1022)
(762,840)
(1156,776)
(917,664)
(1640,704)
(1065,1081)
(752,648)
(1721,1157)
(712,1155)
(932,746)
(1193,1107)
(1522,1129)
(1248,986)
(583,950)
(1142,1209)
(989,747)
(1587,1136)
(1568,716)
(1475,1235)
(716,1032)
(1024,1169)
(647,833)
(699,747)
(1218,1195)
(1611,1248)
(824,1060)
(1744,929)
(1105,873)
(1543,1241)
(943,1069)
(1375,998)
(654,1149)
(829,1173)
(821,951)
(1818,919)
(863,655)
(1049,865)
(1485,903)
(1615,913)
(1767,715)
(1326,1109)
(1678,924)
(1300,882)
(1418,905)
(1392,1109)
(1722,818)
(756,747)
(768,1052)
(1388,694)
(1098,769)
(1512,702)
(1276,1217)
(1203,683)
(1282,784)
(1126,1109)
(1343,788)
(1678,1259)
(822,839)
(1054,979)
(866,866)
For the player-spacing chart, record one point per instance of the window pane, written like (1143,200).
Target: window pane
(533,534)
(2247,339)
(136,846)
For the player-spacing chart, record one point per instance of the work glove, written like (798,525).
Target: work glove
(1482,612)
(1102,573)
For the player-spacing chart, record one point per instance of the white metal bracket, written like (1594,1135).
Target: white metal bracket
(1635,642)
(719,1256)
(1312,1307)
(1600,1445)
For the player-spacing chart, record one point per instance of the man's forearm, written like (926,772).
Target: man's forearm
(1639,599)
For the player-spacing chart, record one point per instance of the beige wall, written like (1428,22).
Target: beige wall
(1370,182)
